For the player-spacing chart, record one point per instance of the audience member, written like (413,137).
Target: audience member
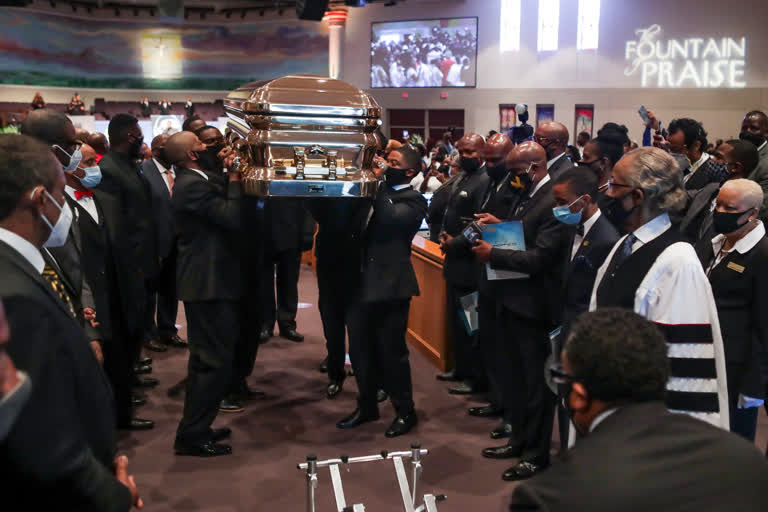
(754,129)
(99,143)
(581,140)
(37,101)
(615,368)
(687,137)
(146,107)
(76,106)
(165,106)
(553,137)
(601,154)
(573,153)
(439,202)
(189,108)
(192,124)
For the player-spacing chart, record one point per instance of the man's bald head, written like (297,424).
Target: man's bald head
(471,146)
(82,135)
(158,149)
(496,149)
(49,126)
(89,156)
(553,137)
(179,147)
(528,157)
(98,141)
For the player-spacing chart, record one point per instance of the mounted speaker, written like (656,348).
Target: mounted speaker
(16,3)
(311,9)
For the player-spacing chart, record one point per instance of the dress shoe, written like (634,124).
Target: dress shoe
(245,392)
(142,369)
(155,346)
(220,434)
(137,424)
(334,388)
(381,396)
(175,340)
(137,400)
(462,388)
(487,411)
(447,376)
(508,451)
(402,425)
(357,418)
(323,368)
(229,404)
(145,360)
(145,382)
(291,334)
(264,335)
(202,449)
(523,470)
(502,431)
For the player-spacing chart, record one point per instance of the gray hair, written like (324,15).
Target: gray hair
(453,154)
(750,192)
(657,174)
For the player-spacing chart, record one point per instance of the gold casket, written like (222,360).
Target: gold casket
(304,136)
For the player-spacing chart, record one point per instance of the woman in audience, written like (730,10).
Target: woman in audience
(37,101)
(602,153)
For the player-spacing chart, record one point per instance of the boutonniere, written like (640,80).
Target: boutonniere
(585,243)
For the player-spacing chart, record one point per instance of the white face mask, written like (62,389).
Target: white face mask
(60,230)
(92,176)
(74,159)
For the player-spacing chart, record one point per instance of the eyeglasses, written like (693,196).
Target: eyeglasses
(539,139)
(560,376)
(613,184)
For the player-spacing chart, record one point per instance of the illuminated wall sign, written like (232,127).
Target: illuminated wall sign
(694,62)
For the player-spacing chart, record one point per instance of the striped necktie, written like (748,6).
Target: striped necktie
(50,275)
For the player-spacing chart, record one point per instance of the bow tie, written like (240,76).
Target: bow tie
(79,194)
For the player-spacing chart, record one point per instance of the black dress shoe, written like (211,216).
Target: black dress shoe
(229,404)
(502,431)
(402,425)
(220,434)
(145,382)
(137,424)
(291,334)
(247,393)
(523,470)
(202,449)
(175,340)
(381,396)
(487,411)
(508,451)
(323,368)
(334,388)
(462,388)
(447,376)
(142,369)
(357,418)
(264,335)
(145,360)
(137,400)
(155,346)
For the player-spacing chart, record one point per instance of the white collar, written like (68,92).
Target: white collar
(762,145)
(695,166)
(550,163)
(601,417)
(591,222)
(160,167)
(745,243)
(540,184)
(25,248)
(201,173)
(653,228)
(401,186)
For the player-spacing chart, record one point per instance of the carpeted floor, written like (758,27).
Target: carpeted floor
(296,419)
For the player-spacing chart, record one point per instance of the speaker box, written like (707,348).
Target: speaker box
(311,9)
(16,3)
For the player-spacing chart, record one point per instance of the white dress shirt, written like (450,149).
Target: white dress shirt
(743,245)
(550,163)
(86,202)
(25,248)
(538,186)
(432,185)
(201,173)
(164,173)
(695,166)
(578,239)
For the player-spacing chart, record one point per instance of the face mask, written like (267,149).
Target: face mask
(725,222)
(92,176)
(60,230)
(717,169)
(469,165)
(615,212)
(754,138)
(497,172)
(564,215)
(136,147)
(523,181)
(216,148)
(74,159)
(208,160)
(394,176)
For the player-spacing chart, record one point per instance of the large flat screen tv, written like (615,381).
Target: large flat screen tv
(424,53)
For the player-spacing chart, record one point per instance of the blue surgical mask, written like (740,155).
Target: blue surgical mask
(564,215)
(74,159)
(92,176)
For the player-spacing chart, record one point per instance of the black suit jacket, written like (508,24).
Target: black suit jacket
(740,287)
(209,218)
(580,272)
(162,209)
(387,272)
(287,225)
(560,166)
(643,458)
(535,298)
(122,178)
(61,448)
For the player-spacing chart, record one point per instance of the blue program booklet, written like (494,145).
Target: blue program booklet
(505,235)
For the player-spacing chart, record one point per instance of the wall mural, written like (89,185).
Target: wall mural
(52,50)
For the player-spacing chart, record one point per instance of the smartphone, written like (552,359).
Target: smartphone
(472,232)
(644,114)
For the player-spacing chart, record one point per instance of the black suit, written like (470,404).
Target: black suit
(288,231)
(208,215)
(526,312)
(162,295)
(60,450)
(644,458)
(740,287)
(561,165)
(378,315)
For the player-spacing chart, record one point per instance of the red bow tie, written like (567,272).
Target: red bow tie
(79,194)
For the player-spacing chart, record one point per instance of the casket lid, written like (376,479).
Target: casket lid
(303,95)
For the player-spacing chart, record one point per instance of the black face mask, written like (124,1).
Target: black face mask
(394,176)
(615,212)
(754,138)
(469,165)
(725,222)
(209,161)
(216,148)
(135,149)
(162,157)
(497,171)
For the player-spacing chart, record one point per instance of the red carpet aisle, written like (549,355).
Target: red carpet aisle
(273,435)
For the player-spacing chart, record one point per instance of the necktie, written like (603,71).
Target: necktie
(580,230)
(171,181)
(622,254)
(79,194)
(50,275)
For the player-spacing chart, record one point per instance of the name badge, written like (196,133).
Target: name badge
(735,266)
